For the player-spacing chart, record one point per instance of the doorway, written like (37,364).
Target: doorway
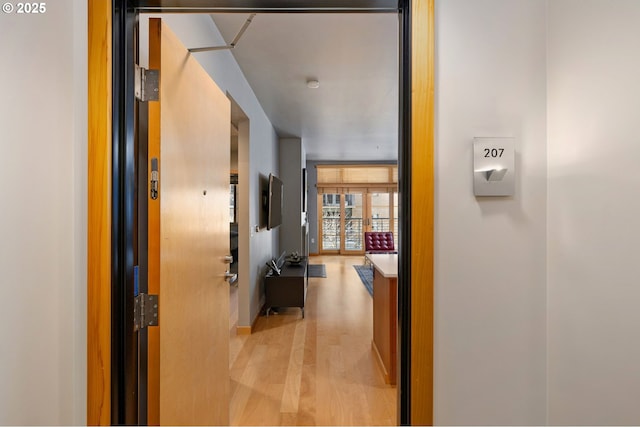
(415,150)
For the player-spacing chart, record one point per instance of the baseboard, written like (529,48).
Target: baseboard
(248,330)
(314,254)
(243,330)
(385,374)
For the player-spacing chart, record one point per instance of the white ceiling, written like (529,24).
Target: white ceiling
(353,115)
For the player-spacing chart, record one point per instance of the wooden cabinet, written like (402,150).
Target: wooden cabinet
(385,313)
(289,289)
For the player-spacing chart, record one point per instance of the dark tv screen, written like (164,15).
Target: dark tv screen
(275,202)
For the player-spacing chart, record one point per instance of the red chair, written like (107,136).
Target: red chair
(378,242)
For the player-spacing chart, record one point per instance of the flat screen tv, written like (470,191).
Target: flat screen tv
(274,213)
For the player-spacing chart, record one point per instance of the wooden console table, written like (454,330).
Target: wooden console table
(385,312)
(289,289)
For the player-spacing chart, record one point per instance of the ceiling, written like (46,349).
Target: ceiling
(353,115)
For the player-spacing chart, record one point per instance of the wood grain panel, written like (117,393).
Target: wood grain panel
(291,393)
(99,215)
(194,238)
(385,325)
(422,200)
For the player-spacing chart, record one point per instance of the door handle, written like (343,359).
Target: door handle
(230,277)
(228,259)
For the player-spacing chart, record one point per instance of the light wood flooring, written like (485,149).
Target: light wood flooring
(319,370)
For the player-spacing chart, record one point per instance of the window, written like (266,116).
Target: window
(355,199)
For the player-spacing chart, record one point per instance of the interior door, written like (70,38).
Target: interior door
(189,134)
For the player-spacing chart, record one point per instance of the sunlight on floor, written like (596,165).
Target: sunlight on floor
(314,371)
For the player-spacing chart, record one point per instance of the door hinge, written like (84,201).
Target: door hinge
(147,84)
(145,311)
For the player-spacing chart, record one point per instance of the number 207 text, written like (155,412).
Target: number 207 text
(493,152)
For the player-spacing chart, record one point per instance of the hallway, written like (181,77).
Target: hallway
(314,371)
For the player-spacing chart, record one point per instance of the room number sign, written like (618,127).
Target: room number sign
(494,166)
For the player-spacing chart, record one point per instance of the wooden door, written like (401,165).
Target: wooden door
(189,132)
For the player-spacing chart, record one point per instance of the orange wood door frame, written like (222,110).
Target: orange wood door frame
(99,214)
(422,207)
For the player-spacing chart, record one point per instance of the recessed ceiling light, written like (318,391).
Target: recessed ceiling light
(313,84)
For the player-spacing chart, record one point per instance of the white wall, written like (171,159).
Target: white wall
(594,212)
(490,262)
(199,30)
(43,216)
